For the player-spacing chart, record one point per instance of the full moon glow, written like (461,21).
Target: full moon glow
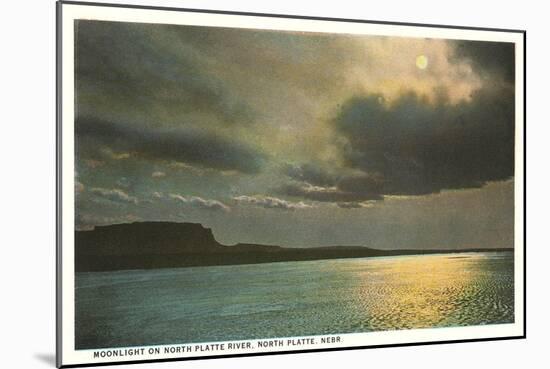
(421,61)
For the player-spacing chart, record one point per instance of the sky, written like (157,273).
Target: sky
(296,139)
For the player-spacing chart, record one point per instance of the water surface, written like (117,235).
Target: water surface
(221,303)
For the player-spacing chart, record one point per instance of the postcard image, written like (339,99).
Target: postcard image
(235,184)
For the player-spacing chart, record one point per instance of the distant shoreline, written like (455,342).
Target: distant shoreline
(156,245)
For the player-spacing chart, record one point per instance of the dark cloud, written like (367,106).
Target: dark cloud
(414,147)
(489,59)
(146,68)
(314,182)
(187,145)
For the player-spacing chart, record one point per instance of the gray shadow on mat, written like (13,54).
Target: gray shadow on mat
(46,358)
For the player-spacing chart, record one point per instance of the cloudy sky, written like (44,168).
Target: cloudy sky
(296,139)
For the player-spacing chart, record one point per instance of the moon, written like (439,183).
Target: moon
(421,62)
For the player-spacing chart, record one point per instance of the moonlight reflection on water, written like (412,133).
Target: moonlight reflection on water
(221,303)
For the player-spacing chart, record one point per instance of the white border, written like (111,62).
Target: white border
(66,353)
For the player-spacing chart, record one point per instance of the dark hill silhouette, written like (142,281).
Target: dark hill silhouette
(148,245)
(146,238)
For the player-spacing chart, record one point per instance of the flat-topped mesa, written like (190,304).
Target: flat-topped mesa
(146,238)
